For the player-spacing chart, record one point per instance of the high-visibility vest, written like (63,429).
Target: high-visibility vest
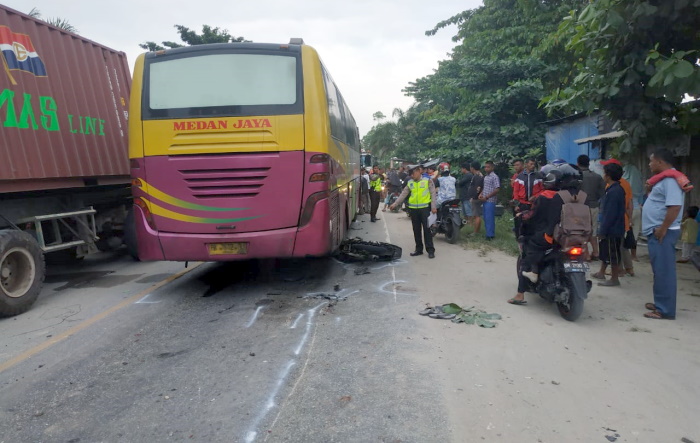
(376,185)
(420,193)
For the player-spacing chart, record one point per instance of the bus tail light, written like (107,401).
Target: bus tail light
(319,158)
(141,203)
(136,183)
(320,177)
(310,205)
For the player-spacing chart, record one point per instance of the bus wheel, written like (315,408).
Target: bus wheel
(22,272)
(130,235)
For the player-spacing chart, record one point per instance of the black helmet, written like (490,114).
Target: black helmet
(552,179)
(560,176)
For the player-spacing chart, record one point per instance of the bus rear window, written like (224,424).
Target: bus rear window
(223,84)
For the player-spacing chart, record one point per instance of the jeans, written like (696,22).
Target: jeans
(490,219)
(466,208)
(663,264)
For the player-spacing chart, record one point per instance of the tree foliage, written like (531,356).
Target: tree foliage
(190,38)
(635,60)
(55,21)
(483,102)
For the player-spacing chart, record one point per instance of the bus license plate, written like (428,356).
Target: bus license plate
(228,248)
(575,266)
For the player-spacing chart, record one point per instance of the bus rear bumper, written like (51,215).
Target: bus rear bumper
(309,240)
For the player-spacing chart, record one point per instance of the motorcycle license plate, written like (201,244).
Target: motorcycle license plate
(576,266)
(228,248)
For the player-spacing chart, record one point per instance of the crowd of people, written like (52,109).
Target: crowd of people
(622,207)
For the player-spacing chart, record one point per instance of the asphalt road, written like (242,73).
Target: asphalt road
(304,350)
(309,351)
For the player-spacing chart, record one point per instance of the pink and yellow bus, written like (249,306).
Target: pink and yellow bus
(239,151)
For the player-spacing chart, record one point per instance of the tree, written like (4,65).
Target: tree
(378,116)
(635,60)
(189,37)
(56,21)
(484,102)
(381,141)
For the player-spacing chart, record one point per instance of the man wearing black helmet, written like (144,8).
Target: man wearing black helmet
(539,222)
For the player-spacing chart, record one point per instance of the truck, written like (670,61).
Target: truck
(64,164)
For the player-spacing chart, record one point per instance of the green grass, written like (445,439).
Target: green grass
(504,241)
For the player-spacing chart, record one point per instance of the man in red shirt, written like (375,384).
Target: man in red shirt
(526,186)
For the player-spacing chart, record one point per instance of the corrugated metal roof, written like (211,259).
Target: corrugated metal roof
(607,135)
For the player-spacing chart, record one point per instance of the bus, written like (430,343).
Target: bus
(240,151)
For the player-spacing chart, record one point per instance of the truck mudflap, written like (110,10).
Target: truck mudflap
(358,250)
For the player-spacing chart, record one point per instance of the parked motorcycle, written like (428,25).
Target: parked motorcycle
(449,221)
(562,280)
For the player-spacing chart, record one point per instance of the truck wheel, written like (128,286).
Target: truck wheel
(22,272)
(130,235)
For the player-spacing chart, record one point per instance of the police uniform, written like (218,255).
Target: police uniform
(421,201)
(375,189)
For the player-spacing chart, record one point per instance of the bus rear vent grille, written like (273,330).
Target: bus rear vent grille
(226,183)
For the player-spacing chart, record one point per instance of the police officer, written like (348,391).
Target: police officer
(375,190)
(421,202)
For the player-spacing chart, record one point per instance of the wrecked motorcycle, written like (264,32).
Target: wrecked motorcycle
(358,250)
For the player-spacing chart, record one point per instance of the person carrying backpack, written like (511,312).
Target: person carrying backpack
(558,215)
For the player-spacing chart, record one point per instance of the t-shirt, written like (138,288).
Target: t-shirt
(447,190)
(475,187)
(463,185)
(594,187)
(664,193)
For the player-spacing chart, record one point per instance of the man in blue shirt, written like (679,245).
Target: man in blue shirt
(661,224)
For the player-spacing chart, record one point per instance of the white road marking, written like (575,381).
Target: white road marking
(393,270)
(253,433)
(255,316)
(144,301)
(309,323)
(294,325)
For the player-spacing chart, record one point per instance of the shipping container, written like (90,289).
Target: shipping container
(64,166)
(64,105)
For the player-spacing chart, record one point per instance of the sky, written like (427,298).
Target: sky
(372,48)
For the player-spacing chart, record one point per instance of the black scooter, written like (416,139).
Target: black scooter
(562,279)
(449,221)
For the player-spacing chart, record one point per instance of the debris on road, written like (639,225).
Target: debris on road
(332,297)
(457,314)
(358,250)
(362,271)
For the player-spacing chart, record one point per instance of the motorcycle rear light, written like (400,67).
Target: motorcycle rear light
(320,177)
(319,158)
(576,251)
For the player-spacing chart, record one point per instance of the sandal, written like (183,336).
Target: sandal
(515,301)
(442,315)
(656,315)
(598,276)
(650,306)
(609,283)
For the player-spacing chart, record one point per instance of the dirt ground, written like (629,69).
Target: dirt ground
(613,375)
